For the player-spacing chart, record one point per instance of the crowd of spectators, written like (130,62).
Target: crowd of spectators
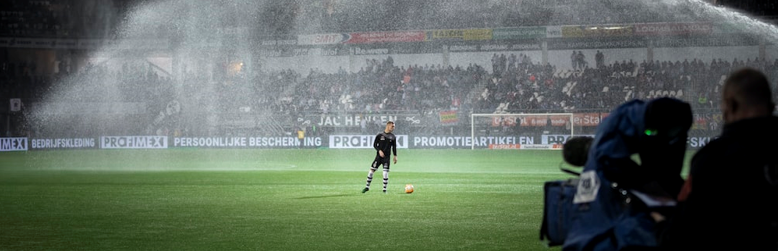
(531,86)
(381,85)
(516,84)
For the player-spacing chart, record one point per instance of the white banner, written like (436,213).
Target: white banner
(548,139)
(554,31)
(362,141)
(134,142)
(13,144)
(62,143)
(355,119)
(319,39)
(463,141)
(241,142)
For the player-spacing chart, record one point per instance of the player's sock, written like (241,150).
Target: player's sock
(386,179)
(370,178)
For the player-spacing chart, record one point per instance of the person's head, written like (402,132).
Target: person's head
(746,94)
(575,150)
(390,127)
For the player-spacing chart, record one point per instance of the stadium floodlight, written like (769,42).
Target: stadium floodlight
(521,130)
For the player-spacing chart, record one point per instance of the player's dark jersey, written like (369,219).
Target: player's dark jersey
(385,142)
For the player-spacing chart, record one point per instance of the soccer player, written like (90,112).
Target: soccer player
(383,143)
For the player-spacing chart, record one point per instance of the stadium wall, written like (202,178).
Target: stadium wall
(560,58)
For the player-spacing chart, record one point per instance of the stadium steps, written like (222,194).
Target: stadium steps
(270,126)
(477,90)
(568,90)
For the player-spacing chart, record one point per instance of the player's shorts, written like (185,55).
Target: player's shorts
(381,161)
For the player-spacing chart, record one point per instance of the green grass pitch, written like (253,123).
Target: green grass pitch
(216,199)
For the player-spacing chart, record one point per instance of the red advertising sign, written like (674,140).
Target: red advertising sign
(586,119)
(673,29)
(497,121)
(579,119)
(559,120)
(509,121)
(504,146)
(504,121)
(386,37)
(520,146)
(533,120)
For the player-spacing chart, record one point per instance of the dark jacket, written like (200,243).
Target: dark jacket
(732,203)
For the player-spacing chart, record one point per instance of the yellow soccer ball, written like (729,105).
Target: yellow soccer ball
(409,188)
